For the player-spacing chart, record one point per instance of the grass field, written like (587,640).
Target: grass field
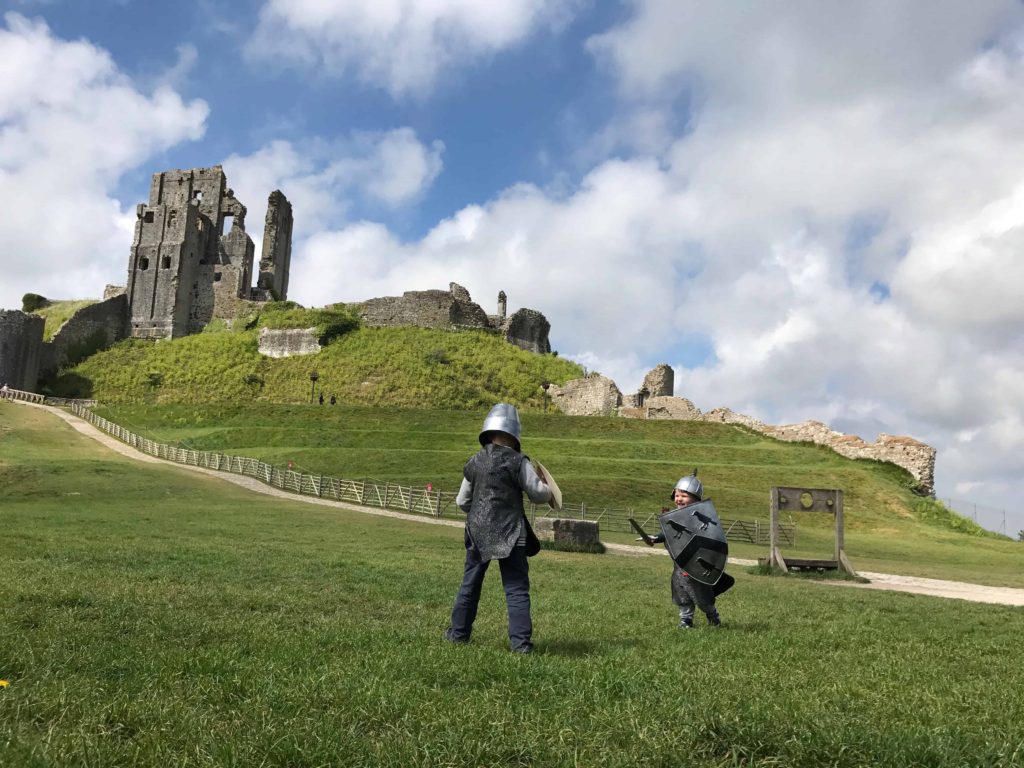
(153,617)
(609,462)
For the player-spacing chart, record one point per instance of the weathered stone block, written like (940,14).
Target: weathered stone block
(286,343)
(574,534)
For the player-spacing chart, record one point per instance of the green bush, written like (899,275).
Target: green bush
(30,302)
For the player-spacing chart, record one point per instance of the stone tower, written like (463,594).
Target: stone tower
(277,246)
(502,305)
(183,270)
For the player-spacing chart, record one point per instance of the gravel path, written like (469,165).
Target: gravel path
(977,593)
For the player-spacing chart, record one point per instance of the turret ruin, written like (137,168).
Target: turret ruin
(184,271)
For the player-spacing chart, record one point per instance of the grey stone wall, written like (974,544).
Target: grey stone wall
(660,381)
(426,309)
(593,395)
(286,343)
(454,308)
(21,346)
(529,329)
(670,408)
(596,395)
(87,331)
(275,259)
(573,533)
(183,270)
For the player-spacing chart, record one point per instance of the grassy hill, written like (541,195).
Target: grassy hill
(606,462)
(156,617)
(56,313)
(370,366)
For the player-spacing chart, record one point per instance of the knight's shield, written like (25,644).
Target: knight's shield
(695,540)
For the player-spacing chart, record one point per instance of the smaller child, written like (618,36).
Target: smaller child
(686,591)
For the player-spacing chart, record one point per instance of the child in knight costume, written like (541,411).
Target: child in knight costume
(699,551)
(491,495)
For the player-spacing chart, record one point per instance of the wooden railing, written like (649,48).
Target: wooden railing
(405,498)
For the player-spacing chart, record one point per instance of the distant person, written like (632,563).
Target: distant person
(321,398)
(3,389)
(491,495)
(334,400)
(688,593)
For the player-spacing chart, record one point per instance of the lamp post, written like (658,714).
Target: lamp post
(313,376)
(544,385)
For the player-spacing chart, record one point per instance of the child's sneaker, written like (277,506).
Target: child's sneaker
(686,624)
(715,621)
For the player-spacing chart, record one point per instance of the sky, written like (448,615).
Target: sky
(810,210)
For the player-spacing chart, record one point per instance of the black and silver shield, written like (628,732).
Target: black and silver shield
(695,540)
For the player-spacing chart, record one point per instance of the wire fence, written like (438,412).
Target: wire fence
(386,494)
(1008,523)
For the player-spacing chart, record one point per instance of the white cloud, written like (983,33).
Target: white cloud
(70,125)
(323,179)
(403,46)
(748,229)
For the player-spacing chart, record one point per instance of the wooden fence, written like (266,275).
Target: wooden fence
(404,498)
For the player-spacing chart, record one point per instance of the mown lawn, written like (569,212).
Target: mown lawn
(609,462)
(152,618)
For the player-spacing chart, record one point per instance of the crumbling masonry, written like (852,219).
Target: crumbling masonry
(596,395)
(184,271)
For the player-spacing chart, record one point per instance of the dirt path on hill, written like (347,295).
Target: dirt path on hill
(978,593)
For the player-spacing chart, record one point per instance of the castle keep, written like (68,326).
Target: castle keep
(184,271)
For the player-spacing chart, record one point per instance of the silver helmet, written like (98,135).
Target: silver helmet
(501,418)
(691,485)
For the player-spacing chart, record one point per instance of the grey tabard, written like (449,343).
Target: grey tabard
(495,518)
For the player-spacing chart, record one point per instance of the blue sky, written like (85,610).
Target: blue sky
(811,210)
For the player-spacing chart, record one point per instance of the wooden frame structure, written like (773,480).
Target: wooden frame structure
(808,500)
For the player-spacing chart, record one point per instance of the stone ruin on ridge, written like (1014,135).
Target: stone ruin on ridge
(184,271)
(597,395)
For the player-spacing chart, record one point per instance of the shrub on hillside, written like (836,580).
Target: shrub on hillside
(30,302)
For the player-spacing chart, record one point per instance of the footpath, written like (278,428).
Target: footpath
(978,593)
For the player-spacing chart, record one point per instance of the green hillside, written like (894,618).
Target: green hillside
(602,462)
(370,366)
(56,313)
(153,616)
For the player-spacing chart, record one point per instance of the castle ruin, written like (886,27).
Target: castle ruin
(597,395)
(184,271)
(526,328)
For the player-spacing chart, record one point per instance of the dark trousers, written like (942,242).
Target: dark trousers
(515,578)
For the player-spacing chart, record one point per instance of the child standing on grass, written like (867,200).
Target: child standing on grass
(491,495)
(688,593)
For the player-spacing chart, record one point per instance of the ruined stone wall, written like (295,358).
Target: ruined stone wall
(662,407)
(184,271)
(286,343)
(168,245)
(660,381)
(912,455)
(87,331)
(528,328)
(276,256)
(593,395)
(21,346)
(425,309)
